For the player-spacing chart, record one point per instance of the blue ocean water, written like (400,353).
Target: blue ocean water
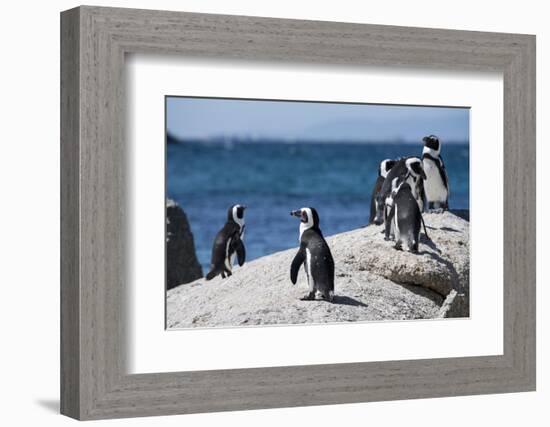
(274,178)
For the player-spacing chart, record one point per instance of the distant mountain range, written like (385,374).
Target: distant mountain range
(389,129)
(402,125)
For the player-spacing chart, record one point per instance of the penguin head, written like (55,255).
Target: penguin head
(385,167)
(308,217)
(236,214)
(414,167)
(431,144)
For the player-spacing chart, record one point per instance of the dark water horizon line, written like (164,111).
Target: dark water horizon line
(244,140)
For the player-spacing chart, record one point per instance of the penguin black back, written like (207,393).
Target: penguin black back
(406,217)
(227,243)
(398,169)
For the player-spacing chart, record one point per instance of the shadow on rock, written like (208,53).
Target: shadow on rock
(343,300)
(453,230)
(429,243)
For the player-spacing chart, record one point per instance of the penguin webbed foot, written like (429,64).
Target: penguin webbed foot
(398,247)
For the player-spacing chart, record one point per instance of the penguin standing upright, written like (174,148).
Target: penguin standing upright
(404,166)
(405,216)
(406,169)
(383,169)
(315,254)
(398,169)
(228,241)
(436,184)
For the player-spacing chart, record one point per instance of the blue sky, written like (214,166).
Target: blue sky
(190,118)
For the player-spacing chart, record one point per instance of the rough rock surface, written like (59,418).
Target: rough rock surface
(373,282)
(182,265)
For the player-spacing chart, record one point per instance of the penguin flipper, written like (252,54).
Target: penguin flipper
(443,174)
(241,252)
(296,264)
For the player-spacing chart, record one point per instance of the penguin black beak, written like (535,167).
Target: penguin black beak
(297,213)
(423,174)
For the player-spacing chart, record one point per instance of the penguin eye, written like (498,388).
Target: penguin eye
(433,143)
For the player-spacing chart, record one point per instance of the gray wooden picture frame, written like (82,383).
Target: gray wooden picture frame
(94,41)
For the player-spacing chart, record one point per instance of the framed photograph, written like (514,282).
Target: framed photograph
(347,211)
(324,163)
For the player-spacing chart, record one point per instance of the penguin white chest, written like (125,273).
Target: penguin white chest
(396,231)
(228,257)
(308,270)
(434,185)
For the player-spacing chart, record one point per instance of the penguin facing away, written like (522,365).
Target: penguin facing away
(405,216)
(383,169)
(400,168)
(228,242)
(437,183)
(411,169)
(315,254)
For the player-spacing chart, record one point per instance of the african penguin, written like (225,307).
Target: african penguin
(383,169)
(315,254)
(411,169)
(405,216)
(400,168)
(436,183)
(228,241)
